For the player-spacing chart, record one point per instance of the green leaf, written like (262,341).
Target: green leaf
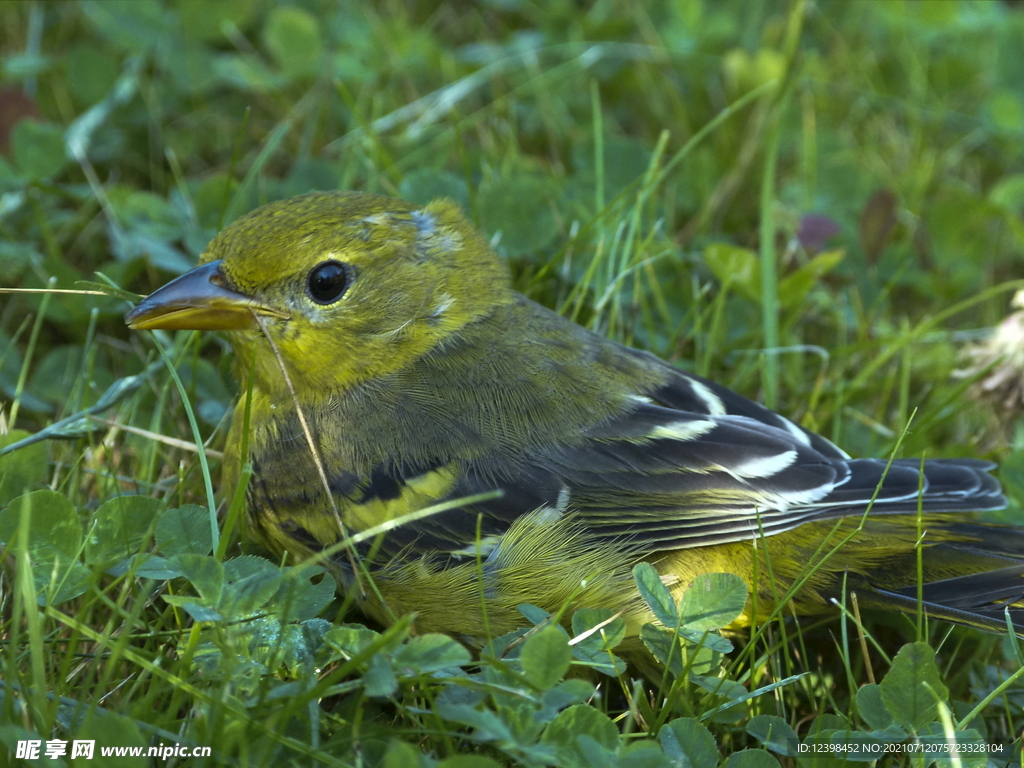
(307,175)
(239,569)
(197,611)
(147,211)
(151,567)
(793,287)
(713,601)
(300,598)
(207,382)
(462,761)
(517,208)
(506,646)
(913,686)
(972,756)
(487,725)
(735,267)
(642,754)
(206,574)
(15,259)
(774,733)
(401,755)
(579,720)
(625,160)
(688,743)
(137,25)
(293,38)
(566,693)
(1006,110)
(595,649)
(131,244)
(730,693)
(1008,193)
(38,149)
(185,530)
(664,644)
(600,661)
(246,72)
(425,185)
(379,679)
(458,695)
(110,730)
(700,655)
(21,471)
(707,639)
(872,709)
(609,636)
(428,653)
(119,527)
(829,722)
(249,584)
(295,647)
(207,19)
(745,71)
(750,758)
(57,373)
(533,614)
(595,755)
(351,639)
(55,532)
(546,657)
(210,198)
(656,594)
(90,71)
(60,585)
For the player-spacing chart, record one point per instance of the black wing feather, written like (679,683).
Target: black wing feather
(688,464)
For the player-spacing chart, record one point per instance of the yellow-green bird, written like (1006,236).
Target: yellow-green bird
(420,376)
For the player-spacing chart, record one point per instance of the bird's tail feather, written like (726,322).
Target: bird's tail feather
(899,487)
(990,617)
(987,581)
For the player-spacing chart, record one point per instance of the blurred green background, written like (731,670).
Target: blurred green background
(820,204)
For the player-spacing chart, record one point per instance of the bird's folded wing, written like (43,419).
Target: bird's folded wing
(690,393)
(660,479)
(701,480)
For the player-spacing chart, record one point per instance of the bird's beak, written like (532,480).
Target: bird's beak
(197,301)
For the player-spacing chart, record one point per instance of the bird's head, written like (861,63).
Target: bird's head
(349,286)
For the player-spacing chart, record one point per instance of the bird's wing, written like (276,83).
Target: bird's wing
(695,480)
(690,393)
(698,464)
(662,478)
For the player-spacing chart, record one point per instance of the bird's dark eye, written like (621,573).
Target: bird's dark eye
(327,282)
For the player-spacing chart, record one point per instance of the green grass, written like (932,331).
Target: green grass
(646,169)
